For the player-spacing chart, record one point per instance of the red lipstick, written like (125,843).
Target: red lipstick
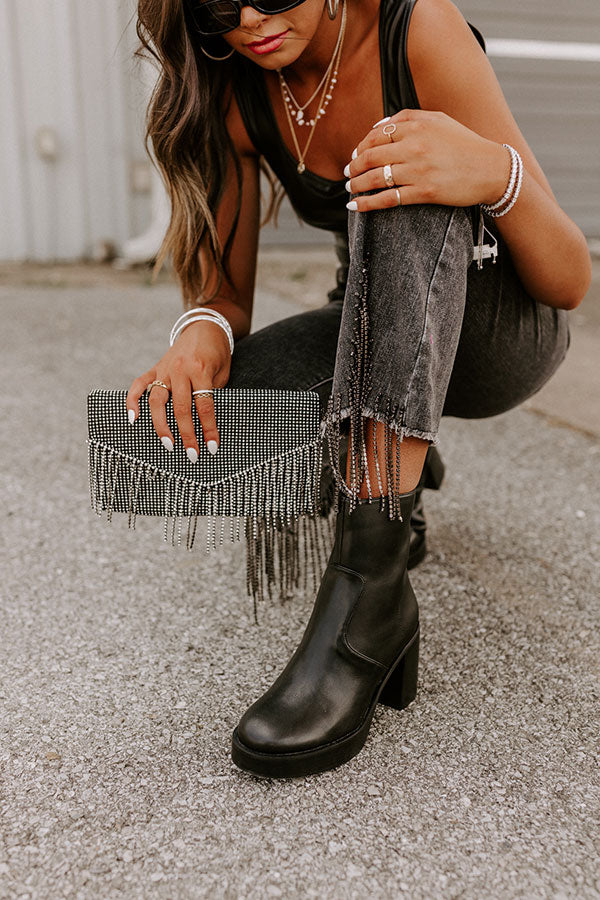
(268,44)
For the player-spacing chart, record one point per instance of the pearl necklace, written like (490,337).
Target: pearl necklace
(299,112)
(330,80)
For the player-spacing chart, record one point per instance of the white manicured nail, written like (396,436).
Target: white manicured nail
(347,171)
(355,153)
(381,121)
(131,416)
(167,443)
(352,205)
(347,186)
(192,454)
(212,447)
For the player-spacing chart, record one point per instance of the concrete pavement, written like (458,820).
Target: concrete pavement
(126,664)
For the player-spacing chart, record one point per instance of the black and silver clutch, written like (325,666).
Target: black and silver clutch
(265,478)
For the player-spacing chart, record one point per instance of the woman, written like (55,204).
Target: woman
(385,124)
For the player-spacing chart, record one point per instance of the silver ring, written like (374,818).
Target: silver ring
(202,391)
(157,384)
(398,195)
(389,129)
(388,177)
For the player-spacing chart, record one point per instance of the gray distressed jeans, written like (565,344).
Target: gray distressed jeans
(417,332)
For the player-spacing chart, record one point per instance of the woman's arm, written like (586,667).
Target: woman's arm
(201,356)
(450,152)
(235,302)
(452,74)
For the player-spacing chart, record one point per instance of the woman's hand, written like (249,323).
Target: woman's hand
(199,358)
(434,159)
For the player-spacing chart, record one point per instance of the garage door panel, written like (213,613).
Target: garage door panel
(550,20)
(555,102)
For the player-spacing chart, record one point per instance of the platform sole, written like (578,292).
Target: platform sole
(397,690)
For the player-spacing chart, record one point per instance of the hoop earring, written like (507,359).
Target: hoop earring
(218,58)
(332,8)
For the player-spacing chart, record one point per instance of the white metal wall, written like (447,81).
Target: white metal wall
(70,125)
(546,54)
(71,109)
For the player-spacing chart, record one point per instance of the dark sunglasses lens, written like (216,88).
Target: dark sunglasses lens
(271,7)
(216,16)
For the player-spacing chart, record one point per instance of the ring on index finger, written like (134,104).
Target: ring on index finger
(389,129)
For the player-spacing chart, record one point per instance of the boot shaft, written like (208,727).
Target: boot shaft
(371,545)
(366,537)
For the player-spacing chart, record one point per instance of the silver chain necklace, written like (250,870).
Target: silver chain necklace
(298,112)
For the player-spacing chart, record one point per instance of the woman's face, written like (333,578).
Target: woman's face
(293,31)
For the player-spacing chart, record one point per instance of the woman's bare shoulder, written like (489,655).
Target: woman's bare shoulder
(453,75)
(439,37)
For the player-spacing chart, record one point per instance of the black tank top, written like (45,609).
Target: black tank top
(319,201)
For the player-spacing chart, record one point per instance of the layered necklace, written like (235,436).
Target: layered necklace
(295,112)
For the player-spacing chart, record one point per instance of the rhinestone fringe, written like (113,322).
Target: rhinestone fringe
(281,542)
(360,404)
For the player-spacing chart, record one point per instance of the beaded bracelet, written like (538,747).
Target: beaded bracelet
(198,314)
(513,189)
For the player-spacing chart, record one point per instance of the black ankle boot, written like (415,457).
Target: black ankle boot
(431,478)
(360,646)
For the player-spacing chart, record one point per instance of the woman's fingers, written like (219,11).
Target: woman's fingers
(205,408)
(200,361)
(135,392)
(377,135)
(183,399)
(383,155)
(374,179)
(182,409)
(409,194)
(157,401)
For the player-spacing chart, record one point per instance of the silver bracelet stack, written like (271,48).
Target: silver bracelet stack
(200,314)
(509,198)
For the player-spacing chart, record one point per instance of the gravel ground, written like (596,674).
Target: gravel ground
(126,663)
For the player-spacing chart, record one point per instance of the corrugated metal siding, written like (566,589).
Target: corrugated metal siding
(541,20)
(65,69)
(66,65)
(555,102)
(557,106)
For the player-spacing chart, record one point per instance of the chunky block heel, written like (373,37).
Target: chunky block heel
(401,687)
(318,712)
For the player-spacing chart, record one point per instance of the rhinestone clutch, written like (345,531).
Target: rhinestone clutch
(265,475)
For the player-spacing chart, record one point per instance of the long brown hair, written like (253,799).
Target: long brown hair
(185,129)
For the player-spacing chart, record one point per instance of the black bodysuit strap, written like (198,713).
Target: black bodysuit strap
(320,201)
(398,86)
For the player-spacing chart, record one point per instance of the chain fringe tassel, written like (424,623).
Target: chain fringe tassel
(288,531)
(348,416)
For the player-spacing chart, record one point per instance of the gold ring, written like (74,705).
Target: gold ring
(389,129)
(399,196)
(157,384)
(388,177)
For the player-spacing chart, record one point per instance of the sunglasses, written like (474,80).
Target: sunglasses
(220,16)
